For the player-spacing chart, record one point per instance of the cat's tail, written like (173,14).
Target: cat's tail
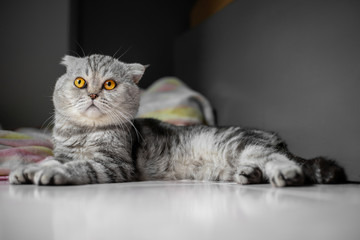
(321,170)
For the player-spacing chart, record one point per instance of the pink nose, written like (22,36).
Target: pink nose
(93,96)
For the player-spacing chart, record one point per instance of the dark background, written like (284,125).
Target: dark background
(291,66)
(138,31)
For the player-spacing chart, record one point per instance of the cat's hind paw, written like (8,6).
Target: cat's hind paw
(51,176)
(248,175)
(292,176)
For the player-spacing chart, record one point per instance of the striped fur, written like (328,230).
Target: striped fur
(99,141)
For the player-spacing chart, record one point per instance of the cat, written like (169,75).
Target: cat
(97,139)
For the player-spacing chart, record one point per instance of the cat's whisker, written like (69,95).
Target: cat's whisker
(124,52)
(130,118)
(122,124)
(74,52)
(50,124)
(114,55)
(130,121)
(82,50)
(48,121)
(129,131)
(118,119)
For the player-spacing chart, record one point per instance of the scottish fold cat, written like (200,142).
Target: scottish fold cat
(98,140)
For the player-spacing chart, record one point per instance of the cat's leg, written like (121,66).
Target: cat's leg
(275,167)
(281,171)
(86,172)
(25,174)
(256,156)
(74,172)
(53,172)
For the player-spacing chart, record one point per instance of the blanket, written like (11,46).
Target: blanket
(22,146)
(170,100)
(167,99)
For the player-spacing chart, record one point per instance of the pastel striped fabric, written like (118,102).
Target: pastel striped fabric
(18,148)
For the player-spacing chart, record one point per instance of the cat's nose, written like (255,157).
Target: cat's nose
(93,96)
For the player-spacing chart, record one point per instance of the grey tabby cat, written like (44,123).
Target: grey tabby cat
(98,140)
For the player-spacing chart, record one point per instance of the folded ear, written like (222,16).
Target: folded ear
(136,71)
(68,60)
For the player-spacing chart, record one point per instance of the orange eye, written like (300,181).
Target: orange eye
(80,82)
(109,84)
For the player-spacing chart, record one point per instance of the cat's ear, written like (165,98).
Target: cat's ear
(68,60)
(137,71)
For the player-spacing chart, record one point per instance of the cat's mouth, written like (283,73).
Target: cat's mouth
(93,111)
(92,105)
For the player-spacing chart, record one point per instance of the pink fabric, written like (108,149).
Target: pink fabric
(4,178)
(21,148)
(25,142)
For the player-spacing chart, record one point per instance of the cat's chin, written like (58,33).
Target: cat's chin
(93,113)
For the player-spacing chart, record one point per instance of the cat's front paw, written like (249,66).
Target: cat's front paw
(24,174)
(291,176)
(55,175)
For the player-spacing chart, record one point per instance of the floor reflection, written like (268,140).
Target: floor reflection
(178,210)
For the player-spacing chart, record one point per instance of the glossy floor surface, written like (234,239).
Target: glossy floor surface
(179,210)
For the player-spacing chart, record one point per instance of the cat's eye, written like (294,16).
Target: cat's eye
(109,84)
(80,82)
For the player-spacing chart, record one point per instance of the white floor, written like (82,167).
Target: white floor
(179,210)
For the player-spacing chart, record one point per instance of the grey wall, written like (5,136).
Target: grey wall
(288,66)
(34,36)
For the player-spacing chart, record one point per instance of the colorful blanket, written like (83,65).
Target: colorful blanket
(23,146)
(168,99)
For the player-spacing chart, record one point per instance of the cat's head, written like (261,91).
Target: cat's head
(97,90)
